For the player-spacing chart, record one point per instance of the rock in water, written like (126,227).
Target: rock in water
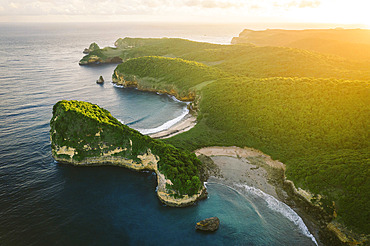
(209,224)
(86,51)
(100,80)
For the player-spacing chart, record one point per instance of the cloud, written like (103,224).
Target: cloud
(299,4)
(150,7)
(79,7)
(105,7)
(309,4)
(214,4)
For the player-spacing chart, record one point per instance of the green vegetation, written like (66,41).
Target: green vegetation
(318,127)
(105,55)
(94,46)
(170,74)
(310,110)
(93,131)
(347,43)
(245,60)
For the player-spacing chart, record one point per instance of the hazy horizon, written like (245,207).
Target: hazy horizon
(305,13)
(257,26)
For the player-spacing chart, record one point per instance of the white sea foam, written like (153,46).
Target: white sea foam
(121,121)
(177,100)
(279,207)
(115,85)
(166,125)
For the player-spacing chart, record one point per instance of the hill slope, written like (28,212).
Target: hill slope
(307,109)
(348,43)
(85,134)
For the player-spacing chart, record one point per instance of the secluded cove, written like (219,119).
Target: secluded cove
(77,146)
(300,110)
(44,202)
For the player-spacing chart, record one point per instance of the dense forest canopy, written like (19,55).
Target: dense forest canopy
(307,108)
(92,131)
(348,43)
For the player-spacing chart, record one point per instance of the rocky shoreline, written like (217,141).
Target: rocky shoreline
(231,165)
(148,162)
(119,79)
(188,122)
(322,225)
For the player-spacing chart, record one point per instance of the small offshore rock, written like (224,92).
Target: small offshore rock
(209,224)
(100,80)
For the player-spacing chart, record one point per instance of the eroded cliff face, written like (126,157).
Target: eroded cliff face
(94,59)
(119,79)
(84,134)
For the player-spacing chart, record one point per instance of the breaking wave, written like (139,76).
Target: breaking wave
(166,125)
(279,207)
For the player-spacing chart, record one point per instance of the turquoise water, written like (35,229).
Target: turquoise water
(46,203)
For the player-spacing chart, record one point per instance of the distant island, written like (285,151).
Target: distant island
(285,93)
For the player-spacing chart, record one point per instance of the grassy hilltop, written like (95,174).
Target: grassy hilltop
(310,110)
(348,43)
(84,130)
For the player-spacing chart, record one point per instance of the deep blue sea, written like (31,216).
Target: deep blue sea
(46,203)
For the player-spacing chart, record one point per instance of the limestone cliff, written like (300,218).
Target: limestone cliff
(119,79)
(95,55)
(85,134)
(174,76)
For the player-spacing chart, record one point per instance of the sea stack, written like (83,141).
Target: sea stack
(209,224)
(86,51)
(100,80)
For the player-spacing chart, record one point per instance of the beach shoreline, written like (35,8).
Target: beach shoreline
(185,124)
(246,166)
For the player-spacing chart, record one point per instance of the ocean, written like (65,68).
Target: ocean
(43,202)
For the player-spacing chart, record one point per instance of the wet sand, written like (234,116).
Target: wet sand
(244,166)
(188,122)
(251,167)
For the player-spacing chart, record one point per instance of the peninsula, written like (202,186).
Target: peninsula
(85,134)
(306,107)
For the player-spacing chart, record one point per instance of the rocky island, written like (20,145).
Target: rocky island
(97,138)
(95,55)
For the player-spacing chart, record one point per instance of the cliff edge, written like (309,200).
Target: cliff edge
(85,134)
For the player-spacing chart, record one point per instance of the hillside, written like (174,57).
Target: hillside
(85,134)
(174,76)
(347,43)
(317,127)
(307,109)
(245,60)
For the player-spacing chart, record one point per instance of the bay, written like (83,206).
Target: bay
(46,203)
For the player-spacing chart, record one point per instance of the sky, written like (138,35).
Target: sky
(223,11)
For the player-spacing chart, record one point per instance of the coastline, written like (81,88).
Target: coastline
(149,162)
(240,167)
(324,227)
(185,124)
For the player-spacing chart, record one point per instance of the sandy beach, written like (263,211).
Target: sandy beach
(188,122)
(244,166)
(251,167)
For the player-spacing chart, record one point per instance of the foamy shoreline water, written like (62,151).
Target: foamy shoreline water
(278,206)
(241,170)
(70,204)
(167,125)
(272,203)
